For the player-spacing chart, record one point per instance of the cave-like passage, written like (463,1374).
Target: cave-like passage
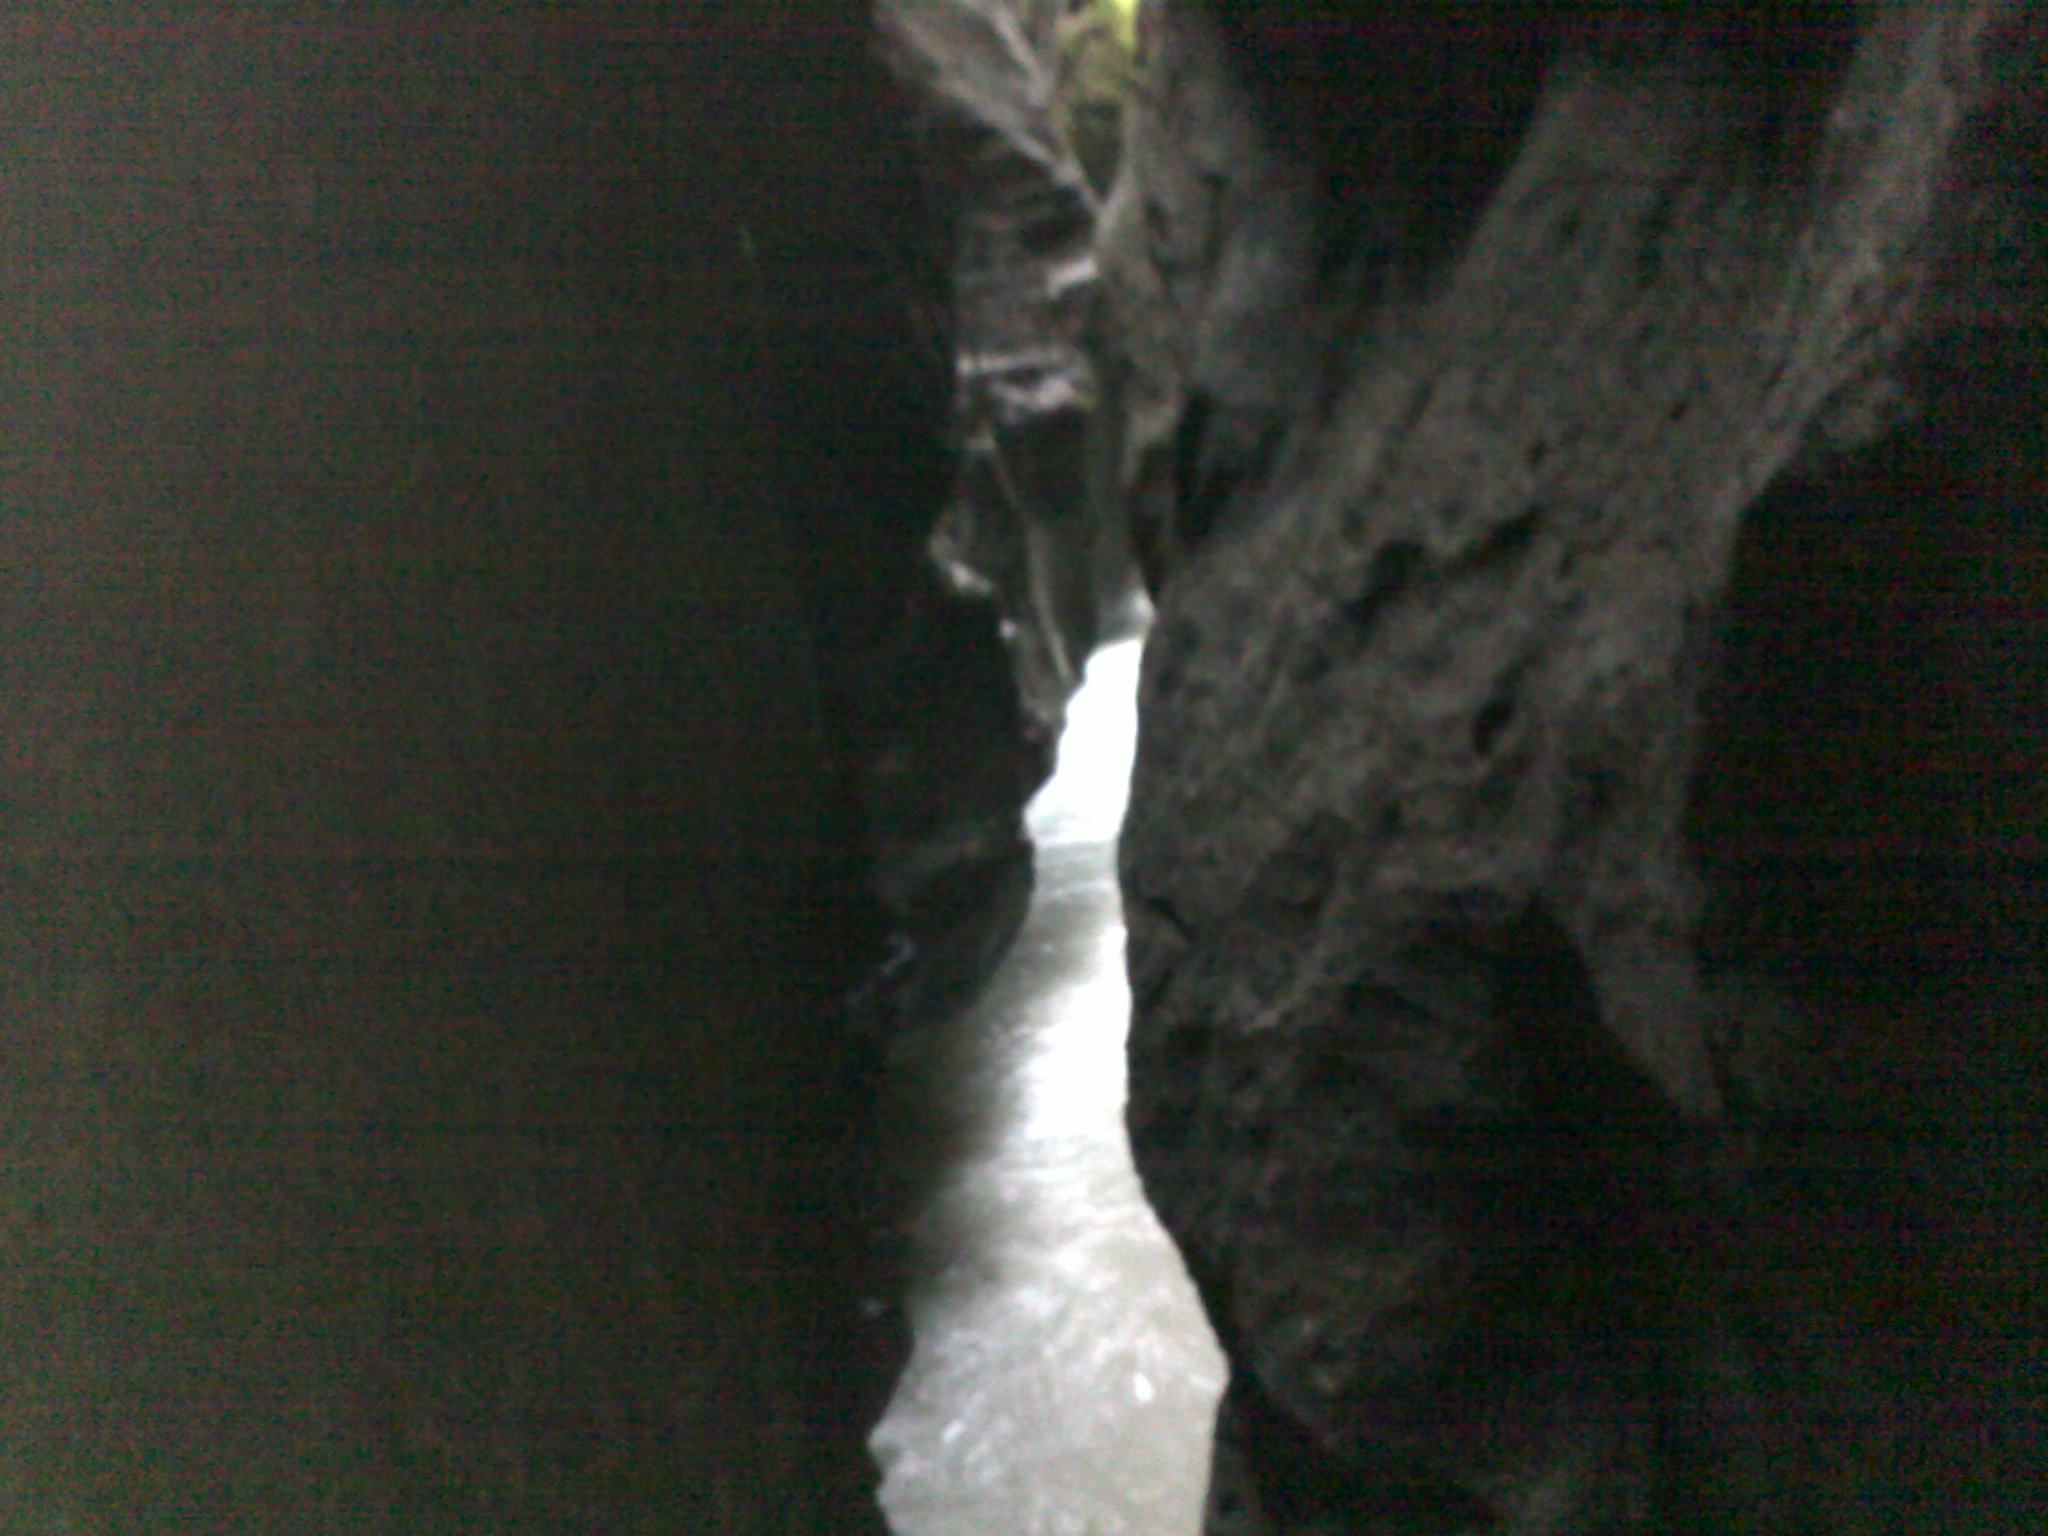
(1064,1379)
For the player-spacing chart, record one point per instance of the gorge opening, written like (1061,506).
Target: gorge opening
(1064,1379)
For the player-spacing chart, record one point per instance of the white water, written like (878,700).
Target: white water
(1064,1380)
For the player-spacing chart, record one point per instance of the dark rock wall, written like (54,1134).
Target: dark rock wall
(1583,865)
(436,448)
(1016,98)
(1867,817)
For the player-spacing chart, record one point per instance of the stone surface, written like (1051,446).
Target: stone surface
(1014,97)
(436,453)
(1506,1155)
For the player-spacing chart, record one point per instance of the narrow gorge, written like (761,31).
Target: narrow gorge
(583,588)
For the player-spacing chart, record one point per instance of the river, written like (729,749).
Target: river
(1064,1380)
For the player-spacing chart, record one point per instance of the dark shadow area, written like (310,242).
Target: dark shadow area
(1869,814)
(1414,155)
(1416,152)
(1871,796)
(461,478)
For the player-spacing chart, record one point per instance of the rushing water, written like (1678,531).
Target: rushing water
(1064,1380)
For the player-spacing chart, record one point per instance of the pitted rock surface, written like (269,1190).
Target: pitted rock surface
(1427,1075)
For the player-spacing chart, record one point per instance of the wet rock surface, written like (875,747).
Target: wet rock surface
(1493,1058)
(1020,101)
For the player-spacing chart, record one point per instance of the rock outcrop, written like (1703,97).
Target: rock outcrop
(1020,102)
(461,483)
(1028,561)
(1583,868)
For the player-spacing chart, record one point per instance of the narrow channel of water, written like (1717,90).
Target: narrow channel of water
(1064,1380)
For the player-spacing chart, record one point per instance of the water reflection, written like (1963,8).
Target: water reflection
(1064,1380)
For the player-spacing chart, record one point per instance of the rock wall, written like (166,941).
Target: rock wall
(453,470)
(1583,869)
(1019,104)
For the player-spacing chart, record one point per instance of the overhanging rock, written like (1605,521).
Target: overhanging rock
(1441,429)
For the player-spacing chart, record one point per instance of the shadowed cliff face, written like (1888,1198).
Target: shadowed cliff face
(434,451)
(1019,106)
(1549,857)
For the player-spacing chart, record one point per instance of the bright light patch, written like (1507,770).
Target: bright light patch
(1074,1083)
(1126,21)
(1085,798)
(1063,1379)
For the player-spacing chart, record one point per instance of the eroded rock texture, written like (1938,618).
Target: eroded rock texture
(1021,99)
(1583,866)
(1023,563)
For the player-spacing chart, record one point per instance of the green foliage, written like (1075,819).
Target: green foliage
(1097,73)
(1125,16)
